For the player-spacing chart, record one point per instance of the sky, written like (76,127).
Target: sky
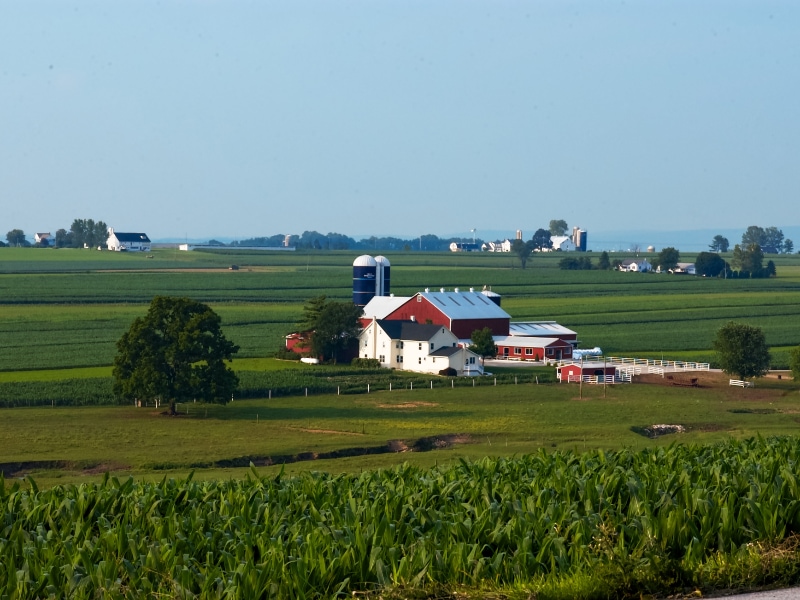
(198,119)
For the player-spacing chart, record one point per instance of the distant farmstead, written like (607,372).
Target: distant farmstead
(120,242)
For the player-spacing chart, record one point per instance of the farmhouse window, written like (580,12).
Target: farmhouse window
(419,298)
(382,358)
(431,346)
(517,350)
(419,360)
(420,346)
(528,351)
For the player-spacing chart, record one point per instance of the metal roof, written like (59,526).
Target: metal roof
(446,351)
(409,330)
(131,237)
(381,307)
(537,329)
(464,305)
(525,342)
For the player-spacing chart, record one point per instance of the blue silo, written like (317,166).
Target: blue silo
(364,279)
(384,280)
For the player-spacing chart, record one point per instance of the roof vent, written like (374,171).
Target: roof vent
(427,290)
(471,290)
(413,318)
(455,290)
(441,290)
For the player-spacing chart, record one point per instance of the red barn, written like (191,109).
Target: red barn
(461,312)
(590,371)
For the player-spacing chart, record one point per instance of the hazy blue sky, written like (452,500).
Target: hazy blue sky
(245,118)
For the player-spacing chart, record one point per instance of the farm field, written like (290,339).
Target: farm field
(77,444)
(471,464)
(76,303)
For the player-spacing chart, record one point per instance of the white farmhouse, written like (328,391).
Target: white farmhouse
(563,243)
(636,265)
(120,242)
(412,346)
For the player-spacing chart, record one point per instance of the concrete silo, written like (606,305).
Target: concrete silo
(364,279)
(383,286)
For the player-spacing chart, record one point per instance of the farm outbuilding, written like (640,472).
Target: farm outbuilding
(592,372)
(121,242)
(532,348)
(462,312)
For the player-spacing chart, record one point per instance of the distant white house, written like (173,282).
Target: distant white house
(504,246)
(39,238)
(684,268)
(412,346)
(562,242)
(636,265)
(134,242)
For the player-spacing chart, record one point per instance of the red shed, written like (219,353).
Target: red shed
(591,372)
(532,348)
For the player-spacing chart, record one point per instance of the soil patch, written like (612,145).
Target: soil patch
(325,431)
(21,469)
(409,405)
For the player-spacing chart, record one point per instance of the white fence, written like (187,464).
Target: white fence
(741,383)
(599,379)
(645,365)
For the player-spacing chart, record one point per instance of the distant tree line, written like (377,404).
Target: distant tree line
(82,233)
(770,240)
(314,240)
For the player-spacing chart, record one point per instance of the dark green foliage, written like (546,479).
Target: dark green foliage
(87,232)
(603,263)
(334,325)
(96,391)
(177,353)
(366,363)
(16,237)
(742,350)
(719,244)
(709,264)
(483,343)
(748,259)
(794,362)
(558,227)
(583,263)
(541,240)
(523,251)
(668,258)
(633,523)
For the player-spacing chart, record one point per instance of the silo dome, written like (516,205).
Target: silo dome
(651,248)
(365,260)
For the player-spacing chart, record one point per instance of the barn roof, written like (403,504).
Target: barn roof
(131,237)
(538,329)
(381,307)
(464,305)
(409,330)
(526,342)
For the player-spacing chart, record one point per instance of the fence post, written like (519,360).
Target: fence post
(390,386)
(452,383)
(515,380)
(473,382)
(337,390)
(270,394)
(306,392)
(495,382)
(431,383)
(412,385)
(368,388)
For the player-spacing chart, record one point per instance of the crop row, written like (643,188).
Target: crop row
(633,522)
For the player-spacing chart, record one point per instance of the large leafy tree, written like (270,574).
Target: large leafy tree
(604,264)
(16,237)
(176,353)
(668,258)
(709,264)
(335,326)
(788,246)
(88,232)
(753,235)
(719,244)
(773,240)
(749,259)
(558,227)
(523,250)
(742,350)
(541,240)
(483,343)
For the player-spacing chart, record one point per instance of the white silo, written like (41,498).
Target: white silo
(383,279)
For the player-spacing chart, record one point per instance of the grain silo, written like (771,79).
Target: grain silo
(383,285)
(364,279)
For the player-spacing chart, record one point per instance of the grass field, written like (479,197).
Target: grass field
(503,420)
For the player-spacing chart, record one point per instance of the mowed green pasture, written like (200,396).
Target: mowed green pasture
(67,308)
(501,421)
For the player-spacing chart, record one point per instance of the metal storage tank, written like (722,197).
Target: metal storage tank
(493,296)
(364,279)
(383,286)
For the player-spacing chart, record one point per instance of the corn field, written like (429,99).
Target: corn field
(632,521)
